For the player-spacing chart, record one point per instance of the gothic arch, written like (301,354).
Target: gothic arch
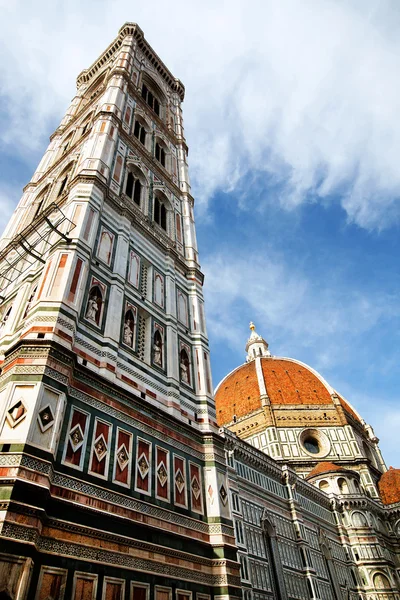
(369,453)
(86,122)
(158,348)
(162,152)
(184,366)
(128,336)
(330,566)
(105,248)
(136,185)
(94,305)
(343,485)
(358,519)
(142,130)
(153,94)
(272,549)
(381,581)
(164,217)
(63,178)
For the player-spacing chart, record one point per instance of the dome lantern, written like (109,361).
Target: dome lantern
(256,345)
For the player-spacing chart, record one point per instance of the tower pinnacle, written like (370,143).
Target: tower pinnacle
(256,345)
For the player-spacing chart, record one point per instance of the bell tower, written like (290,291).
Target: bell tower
(106,395)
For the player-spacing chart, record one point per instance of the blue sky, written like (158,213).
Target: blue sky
(291,116)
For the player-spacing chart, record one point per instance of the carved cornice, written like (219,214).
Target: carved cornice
(132,29)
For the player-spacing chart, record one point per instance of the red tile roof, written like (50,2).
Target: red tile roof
(324,467)
(389,486)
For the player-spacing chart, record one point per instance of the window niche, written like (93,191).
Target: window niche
(158,350)
(105,246)
(119,161)
(182,308)
(158,291)
(134,269)
(95,302)
(185,375)
(129,326)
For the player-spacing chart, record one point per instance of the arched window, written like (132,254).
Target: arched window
(158,350)
(342,485)
(324,486)
(118,168)
(5,317)
(160,154)
(127,116)
(381,582)
(40,201)
(276,569)
(368,453)
(64,180)
(151,100)
(140,132)
(134,269)
(160,213)
(359,520)
(133,188)
(105,247)
(86,124)
(159,289)
(129,328)
(30,301)
(94,305)
(184,366)
(331,571)
(67,143)
(62,186)
(182,309)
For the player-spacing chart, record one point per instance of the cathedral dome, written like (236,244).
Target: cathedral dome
(323,468)
(284,382)
(389,486)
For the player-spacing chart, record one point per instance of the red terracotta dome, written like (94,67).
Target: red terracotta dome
(287,382)
(389,486)
(324,467)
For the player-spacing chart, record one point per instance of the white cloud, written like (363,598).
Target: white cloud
(307,92)
(293,311)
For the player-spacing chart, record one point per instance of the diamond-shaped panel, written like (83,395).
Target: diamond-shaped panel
(122,457)
(100,447)
(195,487)
(76,437)
(162,474)
(223,494)
(45,418)
(179,481)
(143,465)
(16,413)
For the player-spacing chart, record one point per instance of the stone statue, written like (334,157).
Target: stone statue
(92,309)
(157,352)
(128,333)
(184,371)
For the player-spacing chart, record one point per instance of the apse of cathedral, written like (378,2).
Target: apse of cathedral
(120,476)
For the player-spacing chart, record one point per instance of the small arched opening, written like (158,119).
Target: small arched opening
(94,305)
(129,328)
(184,366)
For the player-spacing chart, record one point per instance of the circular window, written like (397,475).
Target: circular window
(311,444)
(314,442)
